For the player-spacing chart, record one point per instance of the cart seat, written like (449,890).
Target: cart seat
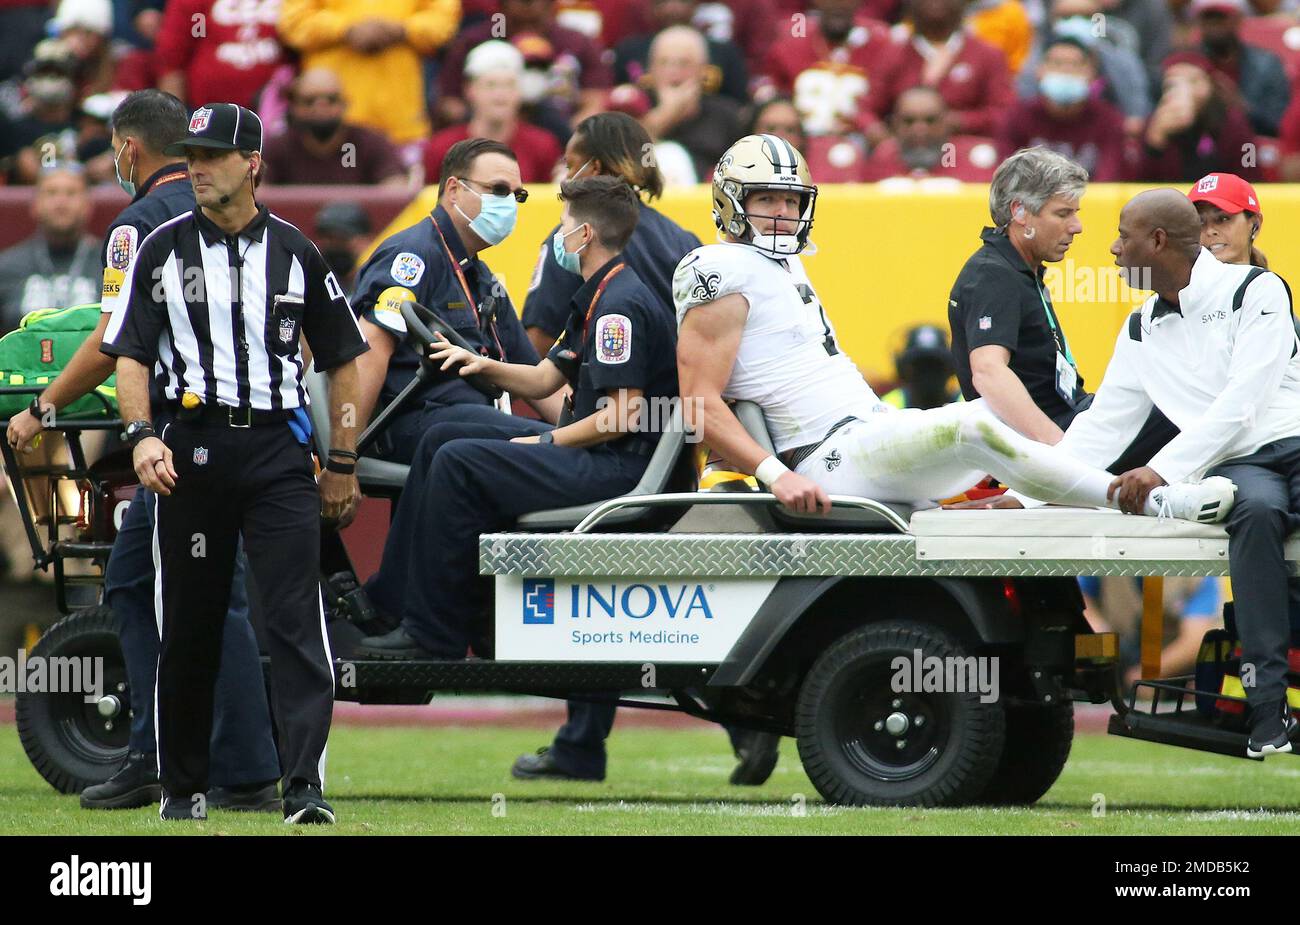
(751,417)
(656,479)
(375,476)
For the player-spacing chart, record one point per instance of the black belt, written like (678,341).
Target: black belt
(228,416)
(637,446)
(792,458)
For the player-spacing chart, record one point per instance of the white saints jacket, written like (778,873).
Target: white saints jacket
(1223,365)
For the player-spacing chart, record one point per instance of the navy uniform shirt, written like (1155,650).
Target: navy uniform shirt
(996,300)
(166,194)
(656,247)
(414,263)
(624,342)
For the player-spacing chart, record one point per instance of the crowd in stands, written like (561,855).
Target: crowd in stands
(376,91)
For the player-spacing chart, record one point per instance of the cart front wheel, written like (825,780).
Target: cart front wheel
(74,739)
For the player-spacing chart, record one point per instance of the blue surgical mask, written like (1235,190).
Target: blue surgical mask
(1064,89)
(496,219)
(128,185)
(566,260)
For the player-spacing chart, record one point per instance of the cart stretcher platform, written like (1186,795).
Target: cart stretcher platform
(1049,541)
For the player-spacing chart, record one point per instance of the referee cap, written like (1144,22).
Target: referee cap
(220,125)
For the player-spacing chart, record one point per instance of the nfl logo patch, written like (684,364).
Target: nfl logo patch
(286,330)
(614,339)
(986,323)
(199,121)
(200,456)
(1208,184)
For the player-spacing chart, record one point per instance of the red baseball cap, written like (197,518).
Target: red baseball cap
(1228,191)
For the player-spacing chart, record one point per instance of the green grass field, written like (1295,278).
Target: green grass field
(456,780)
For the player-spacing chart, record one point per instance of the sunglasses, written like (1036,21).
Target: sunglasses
(500,189)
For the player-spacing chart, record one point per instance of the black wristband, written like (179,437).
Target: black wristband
(346,454)
(35,407)
(333,465)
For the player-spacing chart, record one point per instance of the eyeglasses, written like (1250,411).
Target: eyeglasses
(500,189)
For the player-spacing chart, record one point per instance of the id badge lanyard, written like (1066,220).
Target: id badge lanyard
(1067,375)
(469,299)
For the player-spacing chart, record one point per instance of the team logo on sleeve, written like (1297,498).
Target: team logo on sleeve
(199,121)
(121,246)
(407,268)
(706,286)
(986,323)
(614,339)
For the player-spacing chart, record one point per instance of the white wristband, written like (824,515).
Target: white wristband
(769,470)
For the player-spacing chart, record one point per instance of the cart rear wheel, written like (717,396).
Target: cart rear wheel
(1038,745)
(863,743)
(71,743)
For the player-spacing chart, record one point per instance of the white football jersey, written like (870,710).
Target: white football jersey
(783,363)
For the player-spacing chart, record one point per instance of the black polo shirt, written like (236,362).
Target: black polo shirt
(165,194)
(656,247)
(415,260)
(621,340)
(999,300)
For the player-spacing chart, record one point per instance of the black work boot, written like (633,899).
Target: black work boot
(133,786)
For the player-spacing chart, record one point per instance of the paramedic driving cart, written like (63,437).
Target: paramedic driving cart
(213,305)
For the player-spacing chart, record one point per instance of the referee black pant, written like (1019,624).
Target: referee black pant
(258,481)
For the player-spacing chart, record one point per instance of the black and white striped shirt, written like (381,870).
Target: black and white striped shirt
(220,315)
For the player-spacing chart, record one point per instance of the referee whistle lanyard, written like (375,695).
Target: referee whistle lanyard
(1056,333)
(469,299)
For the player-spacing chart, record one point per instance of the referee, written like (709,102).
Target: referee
(214,302)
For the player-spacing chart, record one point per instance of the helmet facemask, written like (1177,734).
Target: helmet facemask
(763,162)
(786,244)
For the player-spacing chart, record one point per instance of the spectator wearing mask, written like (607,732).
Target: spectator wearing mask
(492,74)
(1123,74)
(1258,81)
(922,146)
(44,126)
(566,79)
(58,266)
(1194,129)
(933,50)
(727,73)
(676,110)
(1066,117)
(320,147)
(232,59)
(376,47)
(829,67)
(343,232)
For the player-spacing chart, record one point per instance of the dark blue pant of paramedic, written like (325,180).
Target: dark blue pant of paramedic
(1266,512)
(243,751)
(473,480)
(399,439)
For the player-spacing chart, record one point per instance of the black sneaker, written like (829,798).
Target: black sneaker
(304,805)
(134,785)
(246,798)
(1272,731)
(189,809)
(543,764)
(757,754)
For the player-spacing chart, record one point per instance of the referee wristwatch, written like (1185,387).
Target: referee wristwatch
(137,431)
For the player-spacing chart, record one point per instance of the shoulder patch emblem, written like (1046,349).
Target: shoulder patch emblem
(614,339)
(986,323)
(121,246)
(407,268)
(706,286)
